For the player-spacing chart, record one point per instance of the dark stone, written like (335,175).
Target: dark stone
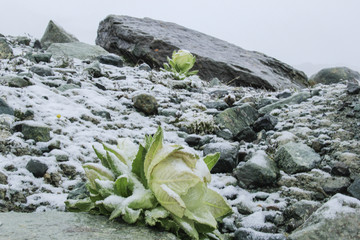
(37,168)
(111,59)
(340,169)
(68,170)
(5,49)
(353,88)
(266,101)
(153,41)
(18,82)
(193,140)
(246,134)
(94,70)
(3,178)
(354,188)
(23,40)
(37,44)
(100,86)
(56,34)
(236,119)
(259,170)
(5,108)
(38,133)
(145,67)
(284,94)
(334,75)
(228,156)
(27,115)
(266,122)
(42,70)
(42,57)
(146,103)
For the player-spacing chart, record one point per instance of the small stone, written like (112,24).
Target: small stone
(68,170)
(42,70)
(224,133)
(37,44)
(3,178)
(146,103)
(100,86)
(214,82)
(103,114)
(38,133)
(340,169)
(5,108)
(66,87)
(353,88)
(246,134)
(354,188)
(37,168)
(228,156)
(266,122)
(42,57)
(5,49)
(193,140)
(18,82)
(23,40)
(284,94)
(145,67)
(111,59)
(94,70)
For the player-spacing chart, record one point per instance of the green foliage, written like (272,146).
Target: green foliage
(155,184)
(180,64)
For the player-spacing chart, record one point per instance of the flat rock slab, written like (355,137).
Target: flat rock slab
(79,226)
(152,41)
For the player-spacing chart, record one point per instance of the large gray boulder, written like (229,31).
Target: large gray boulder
(334,75)
(339,218)
(54,33)
(152,41)
(65,225)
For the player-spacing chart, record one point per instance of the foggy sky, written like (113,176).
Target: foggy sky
(293,31)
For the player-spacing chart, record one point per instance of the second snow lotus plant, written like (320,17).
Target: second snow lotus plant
(157,184)
(180,64)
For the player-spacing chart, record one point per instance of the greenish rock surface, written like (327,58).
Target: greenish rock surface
(339,218)
(94,69)
(56,34)
(79,226)
(5,108)
(42,70)
(66,87)
(236,119)
(78,50)
(259,170)
(5,50)
(334,75)
(38,133)
(296,157)
(146,103)
(15,81)
(294,99)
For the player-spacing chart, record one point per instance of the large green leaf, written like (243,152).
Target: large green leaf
(102,158)
(187,225)
(138,165)
(155,145)
(121,186)
(216,204)
(211,160)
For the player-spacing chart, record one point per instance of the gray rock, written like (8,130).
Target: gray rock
(68,170)
(16,81)
(66,225)
(338,218)
(214,82)
(353,88)
(42,57)
(54,33)
(294,99)
(334,185)
(37,168)
(250,234)
(152,41)
(36,132)
(22,40)
(111,59)
(284,94)
(266,122)
(66,87)
(225,134)
(193,140)
(259,170)
(340,169)
(334,75)
(296,157)
(228,156)
(5,108)
(301,209)
(42,70)
(5,49)
(246,134)
(146,103)
(145,67)
(3,178)
(354,188)
(219,105)
(94,69)
(77,50)
(236,119)
(103,114)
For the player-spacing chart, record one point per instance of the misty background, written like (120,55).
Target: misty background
(307,34)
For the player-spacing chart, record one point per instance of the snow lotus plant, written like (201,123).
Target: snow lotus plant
(156,184)
(180,64)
